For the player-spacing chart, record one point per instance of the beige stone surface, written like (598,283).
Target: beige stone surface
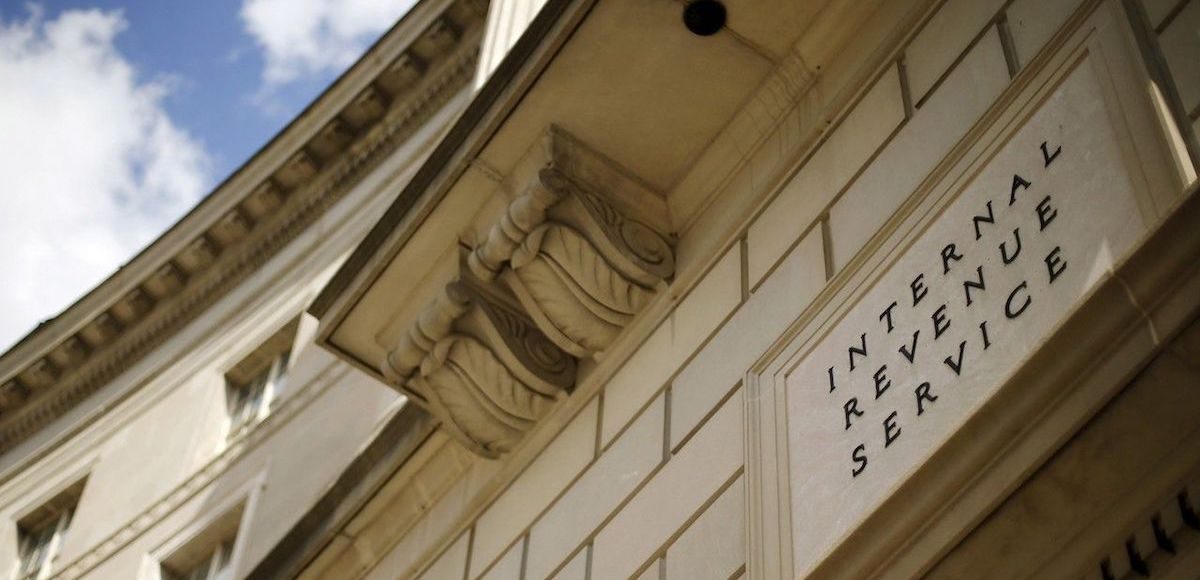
(714,546)
(1096,219)
(943,40)
(754,327)
(548,475)
(508,567)
(672,496)
(438,522)
(576,569)
(824,175)
(1033,23)
(1180,44)
(696,317)
(451,564)
(966,93)
(653,572)
(617,472)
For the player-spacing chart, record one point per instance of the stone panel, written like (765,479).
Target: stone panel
(672,496)
(508,567)
(618,471)
(452,563)
(950,111)
(943,39)
(873,399)
(755,326)
(1033,23)
(547,476)
(714,547)
(824,175)
(1181,46)
(576,569)
(696,317)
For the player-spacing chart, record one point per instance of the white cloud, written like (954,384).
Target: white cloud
(301,38)
(91,166)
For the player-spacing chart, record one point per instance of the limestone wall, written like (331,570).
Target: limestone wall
(649,480)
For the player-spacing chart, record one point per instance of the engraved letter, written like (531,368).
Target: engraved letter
(887,315)
(851,408)
(1055,264)
(1018,183)
(949,253)
(923,395)
(1004,248)
(990,219)
(1008,304)
(941,323)
(910,352)
(861,351)
(1048,157)
(882,382)
(860,458)
(1045,213)
(891,431)
(976,284)
(918,289)
(956,365)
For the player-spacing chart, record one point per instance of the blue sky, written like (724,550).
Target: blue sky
(117,116)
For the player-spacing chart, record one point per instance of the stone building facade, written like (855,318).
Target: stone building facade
(598,289)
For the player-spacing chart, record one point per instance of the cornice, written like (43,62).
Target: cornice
(237,229)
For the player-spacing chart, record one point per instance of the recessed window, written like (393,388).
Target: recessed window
(257,381)
(217,565)
(41,534)
(208,555)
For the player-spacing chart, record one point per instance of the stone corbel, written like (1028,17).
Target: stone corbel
(480,366)
(580,266)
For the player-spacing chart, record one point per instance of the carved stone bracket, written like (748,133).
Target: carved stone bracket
(480,366)
(579,266)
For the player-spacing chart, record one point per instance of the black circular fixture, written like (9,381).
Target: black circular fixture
(704,17)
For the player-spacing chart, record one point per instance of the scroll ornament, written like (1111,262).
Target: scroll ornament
(579,266)
(480,366)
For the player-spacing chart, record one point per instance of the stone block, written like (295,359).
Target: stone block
(1033,23)
(943,39)
(576,569)
(618,471)
(452,562)
(547,476)
(714,547)
(672,496)
(649,369)
(923,142)
(508,567)
(825,174)
(752,329)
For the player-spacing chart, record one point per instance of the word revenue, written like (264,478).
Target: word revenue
(990,280)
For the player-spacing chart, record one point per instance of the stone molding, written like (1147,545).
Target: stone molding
(580,267)
(255,228)
(556,278)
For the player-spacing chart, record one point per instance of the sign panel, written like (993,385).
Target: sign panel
(956,313)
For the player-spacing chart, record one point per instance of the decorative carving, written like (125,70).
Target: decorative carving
(579,266)
(481,367)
